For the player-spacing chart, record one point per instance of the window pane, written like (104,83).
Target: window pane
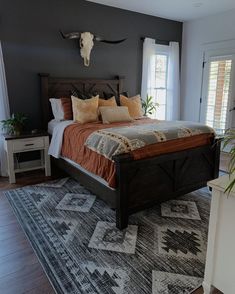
(161,112)
(159,91)
(160,96)
(161,70)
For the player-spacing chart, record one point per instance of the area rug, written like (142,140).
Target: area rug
(74,235)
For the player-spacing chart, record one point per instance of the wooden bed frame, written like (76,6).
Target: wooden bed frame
(140,183)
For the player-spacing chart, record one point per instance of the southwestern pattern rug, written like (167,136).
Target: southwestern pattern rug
(74,235)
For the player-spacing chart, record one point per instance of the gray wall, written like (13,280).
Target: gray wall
(29,31)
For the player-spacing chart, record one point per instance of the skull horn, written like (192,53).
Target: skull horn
(99,39)
(74,35)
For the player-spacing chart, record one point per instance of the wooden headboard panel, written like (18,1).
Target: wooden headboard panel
(61,87)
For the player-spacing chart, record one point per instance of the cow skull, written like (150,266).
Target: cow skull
(86,42)
(86,45)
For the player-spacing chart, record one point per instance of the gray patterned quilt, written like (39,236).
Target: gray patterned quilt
(119,140)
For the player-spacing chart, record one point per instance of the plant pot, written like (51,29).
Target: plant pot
(17,130)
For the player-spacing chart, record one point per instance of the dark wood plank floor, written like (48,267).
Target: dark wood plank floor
(20,270)
(200,291)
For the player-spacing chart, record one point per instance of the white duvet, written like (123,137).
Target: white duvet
(57,136)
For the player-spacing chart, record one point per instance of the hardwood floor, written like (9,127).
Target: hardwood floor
(200,291)
(20,270)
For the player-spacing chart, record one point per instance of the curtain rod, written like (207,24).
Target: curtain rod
(157,40)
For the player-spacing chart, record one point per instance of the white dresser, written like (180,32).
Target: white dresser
(220,260)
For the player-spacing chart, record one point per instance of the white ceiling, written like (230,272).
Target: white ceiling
(181,10)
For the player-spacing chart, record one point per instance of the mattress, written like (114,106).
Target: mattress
(80,168)
(53,126)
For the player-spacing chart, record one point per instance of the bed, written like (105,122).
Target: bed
(139,183)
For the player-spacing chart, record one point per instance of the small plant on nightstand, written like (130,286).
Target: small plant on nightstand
(148,105)
(14,125)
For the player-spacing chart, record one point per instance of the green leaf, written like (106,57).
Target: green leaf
(229,139)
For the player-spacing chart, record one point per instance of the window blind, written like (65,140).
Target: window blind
(218,94)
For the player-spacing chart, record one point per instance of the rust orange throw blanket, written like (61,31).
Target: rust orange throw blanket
(76,135)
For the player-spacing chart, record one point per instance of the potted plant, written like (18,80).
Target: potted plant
(148,105)
(14,125)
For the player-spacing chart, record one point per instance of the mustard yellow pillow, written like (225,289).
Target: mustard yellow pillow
(85,111)
(133,104)
(109,102)
(112,114)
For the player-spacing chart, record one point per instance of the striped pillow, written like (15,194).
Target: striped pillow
(67,108)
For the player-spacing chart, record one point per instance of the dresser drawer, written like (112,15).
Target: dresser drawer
(27,144)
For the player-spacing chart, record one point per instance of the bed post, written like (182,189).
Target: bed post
(44,98)
(120,83)
(122,210)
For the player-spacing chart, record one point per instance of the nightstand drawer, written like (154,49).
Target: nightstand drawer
(27,144)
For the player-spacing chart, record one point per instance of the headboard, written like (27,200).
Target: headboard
(61,87)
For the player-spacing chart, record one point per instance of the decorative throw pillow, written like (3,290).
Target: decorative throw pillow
(108,102)
(107,95)
(112,114)
(133,104)
(57,108)
(67,108)
(85,111)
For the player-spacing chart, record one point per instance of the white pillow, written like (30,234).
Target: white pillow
(57,108)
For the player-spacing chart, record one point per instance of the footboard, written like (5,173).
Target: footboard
(141,183)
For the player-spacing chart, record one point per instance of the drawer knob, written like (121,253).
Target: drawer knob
(29,144)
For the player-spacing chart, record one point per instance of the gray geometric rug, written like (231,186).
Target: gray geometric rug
(74,235)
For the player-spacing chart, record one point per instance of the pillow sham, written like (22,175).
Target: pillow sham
(61,108)
(67,108)
(85,111)
(134,105)
(112,114)
(57,108)
(109,102)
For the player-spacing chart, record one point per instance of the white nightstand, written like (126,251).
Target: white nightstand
(25,143)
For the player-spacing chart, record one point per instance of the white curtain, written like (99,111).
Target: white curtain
(173,83)
(4,112)
(148,68)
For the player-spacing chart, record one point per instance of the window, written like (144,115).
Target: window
(157,80)
(160,87)
(160,78)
